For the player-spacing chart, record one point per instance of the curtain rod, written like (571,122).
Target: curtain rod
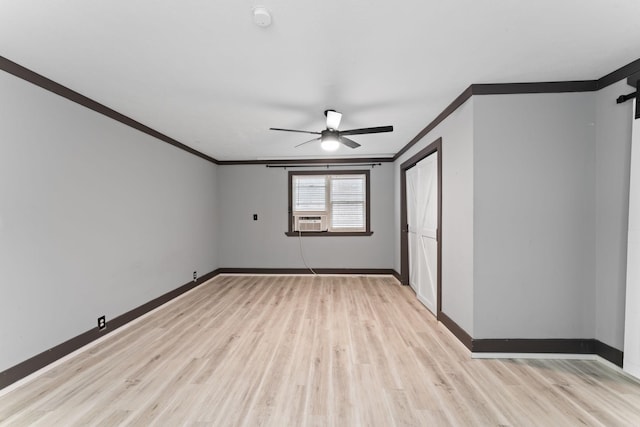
(625,98)
(328,165)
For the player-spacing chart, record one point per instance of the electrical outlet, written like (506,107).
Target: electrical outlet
(195,276)
(102,322)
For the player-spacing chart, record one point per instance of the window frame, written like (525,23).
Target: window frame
(367,232)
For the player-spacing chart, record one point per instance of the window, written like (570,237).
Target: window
(322,203)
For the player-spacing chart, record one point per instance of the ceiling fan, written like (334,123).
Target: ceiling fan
(331,138)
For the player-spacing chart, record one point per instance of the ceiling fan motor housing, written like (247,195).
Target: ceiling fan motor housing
(330,134)
(331,138)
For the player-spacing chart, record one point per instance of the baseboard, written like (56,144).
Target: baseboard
(609,353)
(47,357)
(539,356)
(567,346)
(572,346)
(397,276)
(543,348)
(39,361)
(477,346)
(352,271)
(456,330)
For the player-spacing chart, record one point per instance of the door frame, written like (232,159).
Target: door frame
(435,146)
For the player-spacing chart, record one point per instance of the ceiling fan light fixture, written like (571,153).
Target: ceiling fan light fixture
(329,143)
(333,119)
(331,138)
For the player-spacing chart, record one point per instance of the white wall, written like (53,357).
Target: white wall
(534,216)
(457,212)
(613,153)
(632,302)
(95,218)
(247,189)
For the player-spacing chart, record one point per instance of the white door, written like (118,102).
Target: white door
(422,219)
(631,362)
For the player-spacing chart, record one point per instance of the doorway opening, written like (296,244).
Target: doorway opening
(421,225)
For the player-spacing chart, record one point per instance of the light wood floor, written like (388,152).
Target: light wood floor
(302,350)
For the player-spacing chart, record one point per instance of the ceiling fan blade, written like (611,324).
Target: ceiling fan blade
(294,130)
(333,119)
(348,142)
(378,129)
(306,142)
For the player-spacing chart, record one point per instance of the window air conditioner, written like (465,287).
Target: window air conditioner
(310,223)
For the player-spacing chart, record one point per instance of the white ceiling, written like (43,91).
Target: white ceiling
(203,73)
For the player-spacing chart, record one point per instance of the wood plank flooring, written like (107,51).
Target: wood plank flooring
(311,351)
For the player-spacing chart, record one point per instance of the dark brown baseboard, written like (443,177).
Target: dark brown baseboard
(524,345)
(572,346)
(47,357)
(609,353)
(398,276)
(456,330)
(549,346)
(569,346)
(372,271)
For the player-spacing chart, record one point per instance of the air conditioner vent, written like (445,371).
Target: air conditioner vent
(310,223)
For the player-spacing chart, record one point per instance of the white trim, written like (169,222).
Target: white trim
(632,368)
(423,301)
(631,361)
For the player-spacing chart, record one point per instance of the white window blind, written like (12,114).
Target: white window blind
(347,200)
(309,193)
(341,197)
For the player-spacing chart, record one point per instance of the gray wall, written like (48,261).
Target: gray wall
(534,216)
(95,218)
(613,154)
(243,243)
(457,211)
(535,209)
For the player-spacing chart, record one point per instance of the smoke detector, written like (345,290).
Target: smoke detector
(261,16)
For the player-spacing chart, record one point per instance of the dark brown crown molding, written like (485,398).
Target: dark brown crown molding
(474,89)
(619,74)
(520,88)
(321,161)
(633,79)
(499,89)
(48,84)
(533,87)
(461,99)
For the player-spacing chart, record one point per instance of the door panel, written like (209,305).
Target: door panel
(631,362)
(411,178)
(422,218)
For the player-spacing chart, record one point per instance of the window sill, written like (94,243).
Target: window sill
(328,233)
